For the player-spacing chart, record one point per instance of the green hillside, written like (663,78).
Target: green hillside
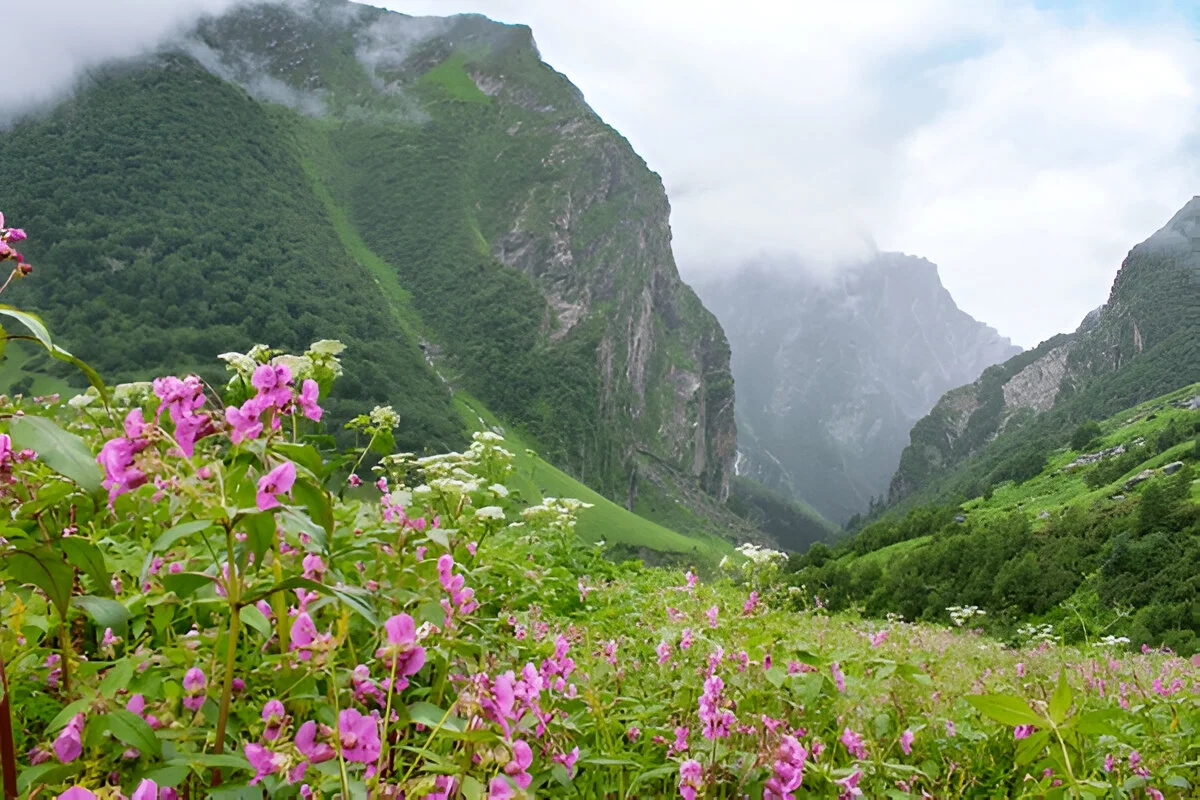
(1106,545)
(427,191)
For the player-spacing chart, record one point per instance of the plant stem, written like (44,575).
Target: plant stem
(233,593)
(8,750)
(387,719)
(64,644)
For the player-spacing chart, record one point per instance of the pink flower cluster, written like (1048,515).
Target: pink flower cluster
(275,398)
(717,720)
(462,599)
(9,237)
(788,771)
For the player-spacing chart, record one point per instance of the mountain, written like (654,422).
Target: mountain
(426,189)
(1103,538)
(833,370)
(1143,342)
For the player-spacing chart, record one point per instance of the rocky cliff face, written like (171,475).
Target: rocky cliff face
(1145,341)
(833,371)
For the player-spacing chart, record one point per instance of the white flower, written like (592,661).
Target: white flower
(499,489)
(238,362)
(82,400)
(384,417)
(487,436)
(326,347)
(489,512)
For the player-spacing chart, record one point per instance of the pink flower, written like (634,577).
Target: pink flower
(264,761)
(309,747)
(499,789)
(354,480)
(568,760)
(69,744)
(680,744)
(244,421)
(194,682)
(850,784)
(854,744)
(275,715)
(1109,762)
(1022,731)
(1020,669)
(402,649)
(276,482)
(664,652)
(314,567)
(634,733)
(906,740)
(691,579)
(308,400)
(838,677)
(120,474)
(751,603)
(518,767)
(146,790)
(444,787)
(717,720)
(879,638)
(711,613)
(304,633)
(950,731)
(691,779)
(685,641)
(359,735)
(77,793)
(788,770)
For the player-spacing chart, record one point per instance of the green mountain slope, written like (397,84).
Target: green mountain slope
(1104,540)
(1143,342)
(428,191)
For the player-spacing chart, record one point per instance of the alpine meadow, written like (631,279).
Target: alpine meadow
(360,438)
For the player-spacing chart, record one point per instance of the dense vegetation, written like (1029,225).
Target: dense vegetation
(235,617)
(1144,343)
(1103,545)
(297,172)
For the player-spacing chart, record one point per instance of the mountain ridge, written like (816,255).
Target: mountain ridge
(833,369)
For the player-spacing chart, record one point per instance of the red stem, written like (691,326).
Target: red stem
(8,750)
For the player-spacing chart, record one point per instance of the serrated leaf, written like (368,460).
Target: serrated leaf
(253,618)
(104,611)
(1006,709)
(63,452)
(133,731)
(1060,701)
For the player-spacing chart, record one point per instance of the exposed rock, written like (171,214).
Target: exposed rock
(1144,475)
(832,371)
(1172,468)
(1044,515)
(1037,385)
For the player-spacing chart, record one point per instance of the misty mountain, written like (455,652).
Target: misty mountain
(833,370)
(426,189)
(1143,342)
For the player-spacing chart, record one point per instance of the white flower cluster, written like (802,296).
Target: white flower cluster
(320,360)
(555,512)
(1112,641)
(760,556)
(384,417)
(961,614)
(1037,633)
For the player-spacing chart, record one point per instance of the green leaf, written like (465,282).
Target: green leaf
(45,569)
(44,773)
(776,676)
(430,715)
(180,531)
(1097,723)
(38,328)
(170,775)
(1007,709)
(90,561)
(105,612)
(133,731)
(316,501)
(117,677)
(64,716)
(185,584)
(260,533)
(303,454)
(472,789)
(253,618)
(63,452)
(1060,701)
(214,760)
(1030,748)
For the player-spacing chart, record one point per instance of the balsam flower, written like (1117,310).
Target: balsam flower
(276,482)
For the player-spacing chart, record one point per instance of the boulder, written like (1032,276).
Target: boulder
(1172,468)
(1144,475)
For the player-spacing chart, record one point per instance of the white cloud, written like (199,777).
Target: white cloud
(1022,150)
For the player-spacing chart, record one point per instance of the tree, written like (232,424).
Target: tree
(1085,434)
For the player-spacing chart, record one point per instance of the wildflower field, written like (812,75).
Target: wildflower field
(204,596)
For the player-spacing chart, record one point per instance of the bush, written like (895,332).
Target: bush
(1084,435)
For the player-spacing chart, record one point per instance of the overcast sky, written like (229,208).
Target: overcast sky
(1022,145)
